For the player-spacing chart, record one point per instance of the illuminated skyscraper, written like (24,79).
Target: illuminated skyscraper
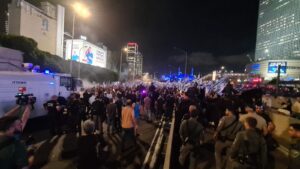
(134,59)
(278,31)
(278,40)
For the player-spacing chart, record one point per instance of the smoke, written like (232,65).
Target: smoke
(86,84)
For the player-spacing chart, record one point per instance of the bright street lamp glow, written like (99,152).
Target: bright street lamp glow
(125,49)
(81,10)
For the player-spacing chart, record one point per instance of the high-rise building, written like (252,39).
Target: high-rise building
(139,64)
(44,24)
(278,31)
(135,60)
(4,16)
(278,39)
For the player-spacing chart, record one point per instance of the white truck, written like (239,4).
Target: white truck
(41,85)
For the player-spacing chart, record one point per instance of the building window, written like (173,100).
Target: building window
(45,25)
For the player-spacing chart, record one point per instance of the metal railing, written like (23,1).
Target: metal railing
(162,137)
(168,154)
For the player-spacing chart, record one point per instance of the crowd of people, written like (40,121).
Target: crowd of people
(242,130)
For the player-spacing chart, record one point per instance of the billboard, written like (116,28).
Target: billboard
(86,52)
(273,67)
(255,68)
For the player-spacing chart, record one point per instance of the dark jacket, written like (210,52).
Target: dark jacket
(250,143)
(87,152)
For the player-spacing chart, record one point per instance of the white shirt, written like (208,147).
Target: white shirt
(261,122)
(92,99)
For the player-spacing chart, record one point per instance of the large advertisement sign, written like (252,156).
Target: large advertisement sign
(255,68)
(273,67)
(86,52)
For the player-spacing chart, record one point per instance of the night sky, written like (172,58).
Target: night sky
(214,32)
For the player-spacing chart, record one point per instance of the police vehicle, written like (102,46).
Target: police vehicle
(41,85)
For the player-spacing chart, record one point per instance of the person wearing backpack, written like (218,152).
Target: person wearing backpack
(249,150)
(226,131)
(191,133)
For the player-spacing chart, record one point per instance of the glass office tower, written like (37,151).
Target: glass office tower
(278,31)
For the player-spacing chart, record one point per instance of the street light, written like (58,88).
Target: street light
(121,56)
(186,58)
(81,11)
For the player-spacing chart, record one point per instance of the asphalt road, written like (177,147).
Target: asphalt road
(59,152)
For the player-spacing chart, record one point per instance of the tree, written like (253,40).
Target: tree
(56,64)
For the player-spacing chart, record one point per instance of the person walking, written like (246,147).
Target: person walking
(147,108)
(128,124)
(249,149)
(87,147)
(52,107)
(137,113)
(98,113)
(75,114)
(111,111)
(226,131)
(119,104)
(191,133)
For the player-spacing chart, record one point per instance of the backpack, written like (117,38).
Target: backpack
(249,159)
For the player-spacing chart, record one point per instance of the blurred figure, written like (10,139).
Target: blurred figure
(169,105)
(87,147)
(147,108)
(261,122)
(226,131)
(137,113)
(111,111)
(160,103)
(52,107)
(98,113)
(296,108)
(249,150)
(229,91)
(128,124)
(119,104)
(13,153)
(86,97)
(191,134)
(294,132)
(75,114)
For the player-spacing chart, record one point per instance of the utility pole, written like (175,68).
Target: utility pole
(278,79)
(121,60)
(73,30)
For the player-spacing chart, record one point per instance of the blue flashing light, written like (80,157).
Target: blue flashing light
(47,71)
(52,83)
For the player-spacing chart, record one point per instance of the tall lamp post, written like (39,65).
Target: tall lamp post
(82,11)
(186,58)
(121,60)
